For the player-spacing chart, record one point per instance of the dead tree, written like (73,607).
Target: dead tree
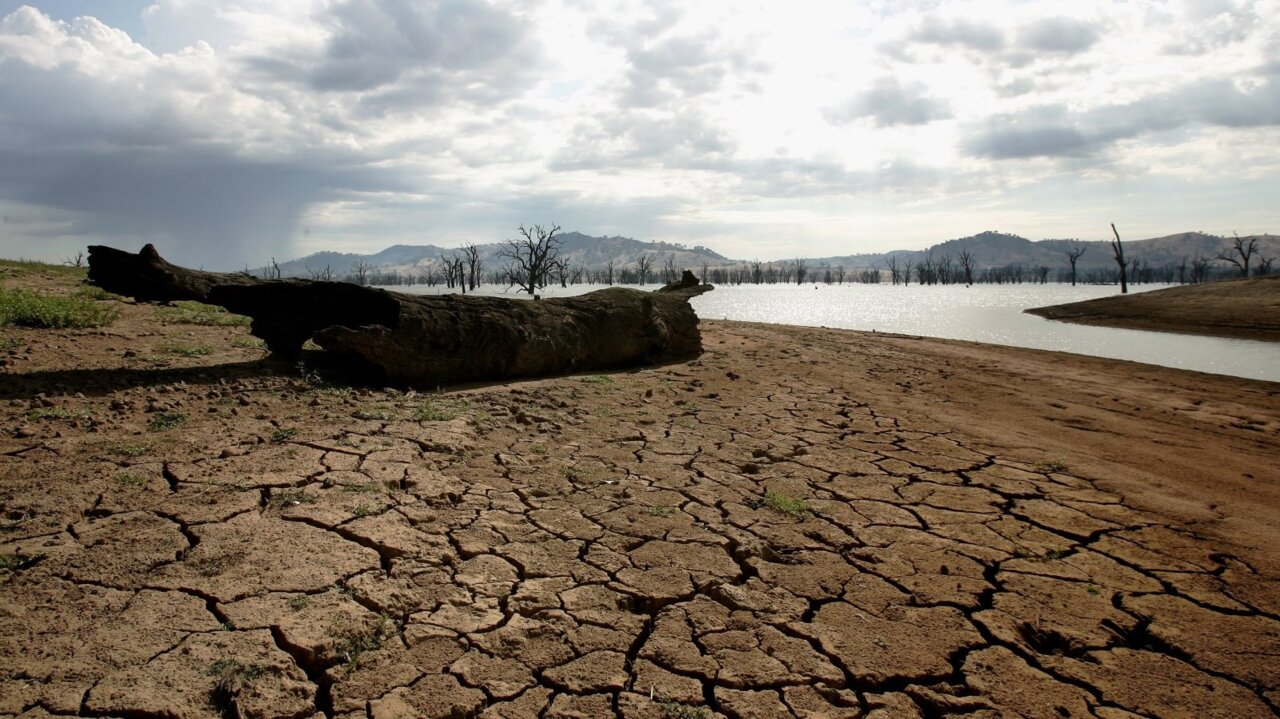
(475,265)
(1073,255)
(532,258)
(644,265)
(798,266)
(1117,250)
(428,341)
(966,264)
(1245,247)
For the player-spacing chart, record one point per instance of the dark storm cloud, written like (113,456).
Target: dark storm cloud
(888,102)
(1055,131)
(400,54)
(201,208)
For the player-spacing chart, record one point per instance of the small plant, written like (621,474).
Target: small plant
(657,511)
(1050,467)
(1093,589)
(676,710)
(18,562)
(1056,553)
(33,309)
(571,473)
(93,292)
(198,313)
(538,448)
(440,409)
(290,498)
(596,379)
(187,350)
(230,679)
(353,643)
(299,602)
(283,435)
(363,510)
(251,343)
(376,414)
(133,480)
(10,343)
(75,417)
(165,421)
(785,503)
(127,449)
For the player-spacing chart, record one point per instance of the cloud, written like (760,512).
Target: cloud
(888,102)
(1055,131)
(129,144)
(1063,35)
(395,55)
(969,34)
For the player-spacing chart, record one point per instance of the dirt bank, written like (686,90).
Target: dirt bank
(801,523)
(1244,309)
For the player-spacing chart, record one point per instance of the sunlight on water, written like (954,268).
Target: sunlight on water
(982,313)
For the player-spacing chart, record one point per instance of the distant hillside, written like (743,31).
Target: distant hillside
(989,249)
(993,249)
(577,248)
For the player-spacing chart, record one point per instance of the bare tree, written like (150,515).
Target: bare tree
(1073,255)
(895,272)
(966,265)
(272,271)
(454,273)
(76,261)
(475,265)
(644,265)
(608,272)
(669,273)
(840,274)
(799,268)
(360,272)
(705,270)
(324,275)
(1117,250)
(1245,247)
(1264,265)
(532,258)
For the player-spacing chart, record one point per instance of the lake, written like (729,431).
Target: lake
(981,313)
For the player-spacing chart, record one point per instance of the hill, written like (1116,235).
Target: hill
(988,249)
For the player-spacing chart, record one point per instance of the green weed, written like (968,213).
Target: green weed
(18,562)
(596,379)
(93,292)
(675,710)
(299,602)
(74,416)
(26,308)
(376,414)
(165,421)
(198,313)
(283,435)
(1050,467)
(657,511)
(11,343)
(187,350)
(127,449)
(785,503)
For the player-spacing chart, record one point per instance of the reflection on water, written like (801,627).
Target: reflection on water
(982,313)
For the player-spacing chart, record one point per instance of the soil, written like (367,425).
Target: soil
(1243,308)
(800,523)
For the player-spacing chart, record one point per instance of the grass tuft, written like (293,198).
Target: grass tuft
(166,421)
(26,308)
(1050,467)
(198,313)
(785,503)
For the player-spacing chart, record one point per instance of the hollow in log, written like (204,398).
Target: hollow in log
(429,340)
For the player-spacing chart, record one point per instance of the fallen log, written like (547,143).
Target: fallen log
(428,341)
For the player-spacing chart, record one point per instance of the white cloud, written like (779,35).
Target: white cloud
(237,130)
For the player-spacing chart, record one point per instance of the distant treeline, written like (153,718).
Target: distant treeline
(468,273)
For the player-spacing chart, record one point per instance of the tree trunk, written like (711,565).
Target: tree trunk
(429,341)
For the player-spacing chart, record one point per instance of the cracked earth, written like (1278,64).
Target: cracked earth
(801,523)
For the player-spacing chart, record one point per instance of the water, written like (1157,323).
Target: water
(982,313)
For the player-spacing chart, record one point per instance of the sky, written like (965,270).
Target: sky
(229,132)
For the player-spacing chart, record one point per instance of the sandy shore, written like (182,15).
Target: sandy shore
(1244,309)
(801,523)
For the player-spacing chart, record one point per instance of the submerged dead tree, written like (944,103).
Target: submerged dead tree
(429,341)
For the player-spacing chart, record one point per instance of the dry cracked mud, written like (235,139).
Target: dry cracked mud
(801,523)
